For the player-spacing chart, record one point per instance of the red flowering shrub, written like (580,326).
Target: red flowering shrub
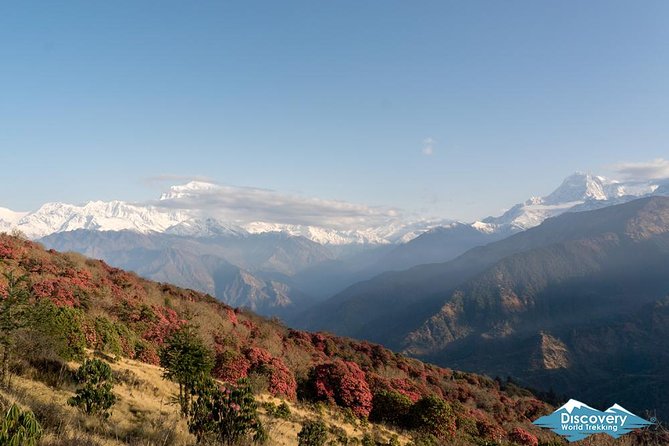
(146,353)
(258,357)
(407,388)
(58,290)
(485,428)
(8,250)
(80,278)
(253,328)
(281,380)
(166,322)
(230,366)
(299,336)
(522,437)
(231,315)
(318,341)
(343,383)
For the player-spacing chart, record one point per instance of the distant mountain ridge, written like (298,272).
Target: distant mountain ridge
(580,191)
(578,304)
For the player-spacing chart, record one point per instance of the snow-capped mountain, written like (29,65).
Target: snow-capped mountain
(95,215)
(166,216)
(577,192)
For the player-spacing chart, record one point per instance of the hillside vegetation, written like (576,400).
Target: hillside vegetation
(364,393)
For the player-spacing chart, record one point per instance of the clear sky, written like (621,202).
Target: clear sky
(447,108)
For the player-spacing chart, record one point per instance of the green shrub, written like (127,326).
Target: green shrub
(187,362)
(434,416)
(282,411)
(19,428)
(226,415)
(58,329)
(367,440)
(108,339)
(340,436)
(95,397)
(390,407)
(313,433)
(424,439)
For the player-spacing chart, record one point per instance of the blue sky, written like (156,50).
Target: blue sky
(335,100)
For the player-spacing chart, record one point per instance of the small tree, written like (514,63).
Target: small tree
(19,428)
(95,397)
(228,414)
(187,362)
(14,307)
(432,415)
(313,433)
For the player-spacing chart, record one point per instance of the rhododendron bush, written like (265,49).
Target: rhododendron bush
(343,383)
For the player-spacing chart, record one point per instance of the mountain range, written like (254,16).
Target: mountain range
(281,269)
(567,291)
(578,304)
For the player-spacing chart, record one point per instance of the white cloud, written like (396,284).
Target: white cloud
(247,204)
(428,146)
(650,170)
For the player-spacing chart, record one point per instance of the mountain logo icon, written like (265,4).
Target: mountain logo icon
(576,421)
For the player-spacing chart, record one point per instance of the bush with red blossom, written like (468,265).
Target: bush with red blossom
(342,383)
(230,366)
(146,353)
(522,437)
(8,249)
(166,322)
(407,388)
(58,290)
(281,380)
(486,428)
(231,315)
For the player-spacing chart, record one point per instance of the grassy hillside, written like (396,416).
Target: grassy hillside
(144,414)
(83,305)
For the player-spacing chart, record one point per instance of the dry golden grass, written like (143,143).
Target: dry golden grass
(144,415)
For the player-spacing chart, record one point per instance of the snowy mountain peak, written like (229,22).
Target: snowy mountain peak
(580,187)
(96,215)
(580,191)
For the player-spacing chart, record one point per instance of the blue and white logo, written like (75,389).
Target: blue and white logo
(576,421)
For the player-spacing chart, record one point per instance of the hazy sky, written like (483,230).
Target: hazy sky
(453,109)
